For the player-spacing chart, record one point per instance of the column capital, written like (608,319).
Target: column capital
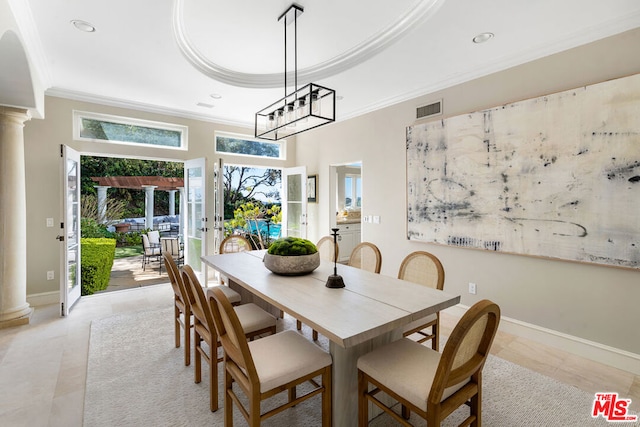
(16,115)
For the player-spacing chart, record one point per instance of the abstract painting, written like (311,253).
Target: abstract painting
(556,176)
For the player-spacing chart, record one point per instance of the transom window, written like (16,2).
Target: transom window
(124,130)
(247,146)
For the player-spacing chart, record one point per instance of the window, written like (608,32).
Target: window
(123,130)
(247,146)
(352,191)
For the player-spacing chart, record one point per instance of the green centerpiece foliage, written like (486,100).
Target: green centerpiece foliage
(292,246)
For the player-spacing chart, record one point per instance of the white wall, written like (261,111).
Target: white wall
(591,302)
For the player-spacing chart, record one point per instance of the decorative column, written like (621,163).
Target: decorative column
(102,202)
(14,309)
(148,205)
(172,202)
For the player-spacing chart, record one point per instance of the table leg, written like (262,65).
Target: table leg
(345,378)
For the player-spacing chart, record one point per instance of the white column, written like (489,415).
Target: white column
(14,309)
(102,202)
(148,205)
(172,202)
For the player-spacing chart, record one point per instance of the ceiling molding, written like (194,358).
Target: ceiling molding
(370,47)
(139,106)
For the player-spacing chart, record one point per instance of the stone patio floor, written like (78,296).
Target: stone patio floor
(127,273)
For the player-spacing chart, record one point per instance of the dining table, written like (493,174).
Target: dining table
(370,311)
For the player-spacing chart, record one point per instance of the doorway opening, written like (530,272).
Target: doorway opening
(122,199)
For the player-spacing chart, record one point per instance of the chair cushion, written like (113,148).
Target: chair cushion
(284,357)
(423,321)
(231,295)
(253,318)
(407,368)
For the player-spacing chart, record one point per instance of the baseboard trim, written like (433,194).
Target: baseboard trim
(44,298)
(592,350)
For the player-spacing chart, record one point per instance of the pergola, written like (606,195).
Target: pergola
(147,183)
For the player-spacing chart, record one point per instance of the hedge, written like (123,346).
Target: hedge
(97,259)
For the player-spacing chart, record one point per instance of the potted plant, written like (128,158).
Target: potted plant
(292,256)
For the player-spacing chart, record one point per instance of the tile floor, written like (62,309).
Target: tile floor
(43,364)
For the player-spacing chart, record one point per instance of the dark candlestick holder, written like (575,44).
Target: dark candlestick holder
(335,281)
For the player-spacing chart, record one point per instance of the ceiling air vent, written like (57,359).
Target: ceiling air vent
(433,109)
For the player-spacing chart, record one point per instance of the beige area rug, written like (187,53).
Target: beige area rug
(136,377)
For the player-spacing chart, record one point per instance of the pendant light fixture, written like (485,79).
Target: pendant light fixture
(305,108)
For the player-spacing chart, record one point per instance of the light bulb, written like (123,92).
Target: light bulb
(315,103)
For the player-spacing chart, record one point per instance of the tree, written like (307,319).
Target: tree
(243,184)
(134,199)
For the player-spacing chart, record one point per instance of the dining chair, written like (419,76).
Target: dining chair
(253,322)
(181,307)
(328,251)
(425,269)
(431,384)
(366,256)
(234,243)
(267,367)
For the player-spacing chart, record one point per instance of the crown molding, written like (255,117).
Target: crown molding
(370,47)
(139,106)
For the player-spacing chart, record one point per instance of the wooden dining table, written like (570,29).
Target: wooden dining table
(368,312)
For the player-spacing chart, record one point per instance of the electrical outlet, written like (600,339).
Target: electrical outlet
(50,275)
(472,288)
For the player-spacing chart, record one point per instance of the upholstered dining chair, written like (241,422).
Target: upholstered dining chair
(253,322)
(234,243)
(328,251)
(181,306)
(366,256)
(267,367)
(425,269)
(431,384)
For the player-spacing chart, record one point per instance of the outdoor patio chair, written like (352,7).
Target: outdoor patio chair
(173,247)
(150,252)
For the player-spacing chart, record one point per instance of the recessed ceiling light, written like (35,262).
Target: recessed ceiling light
(205,105)
(215,96)
(83,26)
(483,37)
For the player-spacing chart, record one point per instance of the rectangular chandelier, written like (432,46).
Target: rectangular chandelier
(306,108)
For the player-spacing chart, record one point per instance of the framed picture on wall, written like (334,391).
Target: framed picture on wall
(311,188)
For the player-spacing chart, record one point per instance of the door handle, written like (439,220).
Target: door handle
(61,238)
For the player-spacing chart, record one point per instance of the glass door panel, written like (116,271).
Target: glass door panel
(294,206)
(196,220)
(70,288)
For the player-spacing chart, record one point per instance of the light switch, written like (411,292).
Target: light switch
(49,222)
(376,219)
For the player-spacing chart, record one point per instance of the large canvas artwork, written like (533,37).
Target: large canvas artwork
(556,176)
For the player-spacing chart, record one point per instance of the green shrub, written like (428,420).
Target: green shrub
(90,228)
(97,260)
(292,246)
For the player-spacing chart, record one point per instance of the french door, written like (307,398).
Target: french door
(195,224)
(294,202)
(218,203)
(70,230)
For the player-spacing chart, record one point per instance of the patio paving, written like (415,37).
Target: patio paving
(127,273)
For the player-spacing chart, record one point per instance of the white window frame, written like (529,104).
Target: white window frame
(79,115)
(282,143)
